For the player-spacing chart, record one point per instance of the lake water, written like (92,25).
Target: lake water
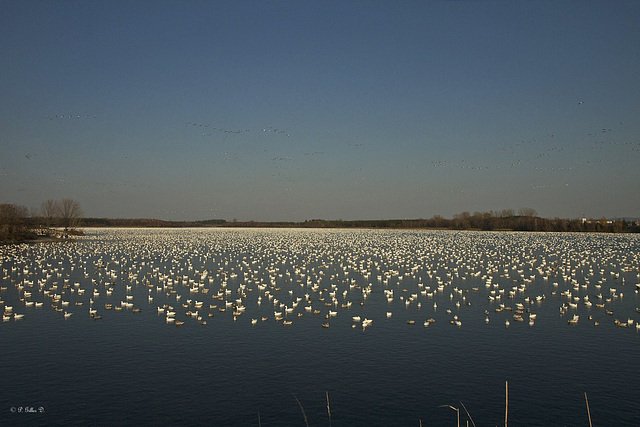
(128,363)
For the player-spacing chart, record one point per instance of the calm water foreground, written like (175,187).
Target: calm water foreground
(235,326)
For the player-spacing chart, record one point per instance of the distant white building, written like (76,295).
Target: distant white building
(596,221)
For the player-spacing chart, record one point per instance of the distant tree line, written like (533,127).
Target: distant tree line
(147,222)
(525,219)
(18,223)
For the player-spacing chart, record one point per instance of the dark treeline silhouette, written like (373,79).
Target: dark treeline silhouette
(487,223)
(17,223)
(147,222)
(525,219)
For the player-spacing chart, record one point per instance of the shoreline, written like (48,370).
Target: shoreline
(474,223)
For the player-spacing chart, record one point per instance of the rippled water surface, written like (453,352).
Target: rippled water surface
(117,357)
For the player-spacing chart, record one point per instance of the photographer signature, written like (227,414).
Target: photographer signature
(27,410)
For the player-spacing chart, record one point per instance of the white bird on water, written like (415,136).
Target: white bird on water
(366,322)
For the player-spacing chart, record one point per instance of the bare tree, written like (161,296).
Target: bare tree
(13,214)
(70,212)
(527,212)
(12,220)
(506,213)
(50,209)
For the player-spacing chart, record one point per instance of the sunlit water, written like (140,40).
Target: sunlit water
(115,367)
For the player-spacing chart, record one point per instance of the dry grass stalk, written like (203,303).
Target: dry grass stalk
(506,402)
(588,411)
(328,408)
(302,409)
(455,409)
(468,414)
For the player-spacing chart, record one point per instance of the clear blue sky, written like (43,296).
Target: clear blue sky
(321,109)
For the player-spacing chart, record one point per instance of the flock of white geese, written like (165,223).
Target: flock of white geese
(334,277)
